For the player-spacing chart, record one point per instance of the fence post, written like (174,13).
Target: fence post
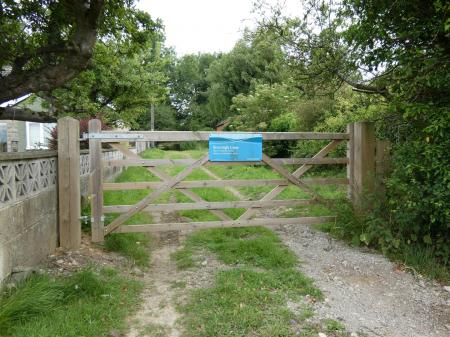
(351,159)
(96,177)
(69,206)
(363,161)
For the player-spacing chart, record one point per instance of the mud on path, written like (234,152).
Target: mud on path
(166,287)
(367,292)
(157,315)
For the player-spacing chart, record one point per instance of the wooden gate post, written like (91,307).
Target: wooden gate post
(69,183)
(363,161)
(351,160)
(96,177)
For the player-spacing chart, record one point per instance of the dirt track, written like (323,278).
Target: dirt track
(363,290)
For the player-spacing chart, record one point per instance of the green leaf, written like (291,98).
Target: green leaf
(364,238)
(427,239)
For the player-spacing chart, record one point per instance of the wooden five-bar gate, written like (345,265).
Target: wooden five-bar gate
(359,138)
(360,161)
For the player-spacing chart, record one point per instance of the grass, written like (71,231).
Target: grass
(135,246)
(154,330)
(85,304)
(244,302)
(209,194)
(249,299)
(248,246)
(156,153)
(333,325)
(422,260)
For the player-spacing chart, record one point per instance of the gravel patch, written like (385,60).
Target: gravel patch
(366,291)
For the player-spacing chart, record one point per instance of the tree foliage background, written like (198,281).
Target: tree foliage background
(346,61)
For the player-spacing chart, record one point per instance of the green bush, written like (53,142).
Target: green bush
(415,211)
(418,189)
(366,227)
(419,194)
(375,227)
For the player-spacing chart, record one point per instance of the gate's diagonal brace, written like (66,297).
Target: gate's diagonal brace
(294,180)
(164,177)
(155,194)
(297,174)
(230,189)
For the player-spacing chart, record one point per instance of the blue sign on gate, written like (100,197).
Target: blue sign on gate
(235,147)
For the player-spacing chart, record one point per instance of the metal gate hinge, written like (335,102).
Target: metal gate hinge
(85,218)
(101,135)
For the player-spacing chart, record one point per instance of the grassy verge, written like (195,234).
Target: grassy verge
(249,299)
(87,303)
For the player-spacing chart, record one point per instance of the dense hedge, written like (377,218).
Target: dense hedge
(418,188)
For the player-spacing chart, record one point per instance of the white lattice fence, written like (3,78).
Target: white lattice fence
(20,179)
(84,164)
(107,155)
(23,178)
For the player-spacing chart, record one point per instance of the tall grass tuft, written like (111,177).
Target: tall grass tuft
(36,295)
(84,283)
(42,306)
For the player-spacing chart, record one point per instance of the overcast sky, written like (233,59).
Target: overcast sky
(193,26)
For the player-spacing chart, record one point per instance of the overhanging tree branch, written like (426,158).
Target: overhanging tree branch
(75,54)
(365,88)
(24,114)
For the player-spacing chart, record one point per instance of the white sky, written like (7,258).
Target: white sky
(193,26)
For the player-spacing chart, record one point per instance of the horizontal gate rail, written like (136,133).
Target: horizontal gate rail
(222,183)
(210,205)
(223,224)
(177,162)
(187,136)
